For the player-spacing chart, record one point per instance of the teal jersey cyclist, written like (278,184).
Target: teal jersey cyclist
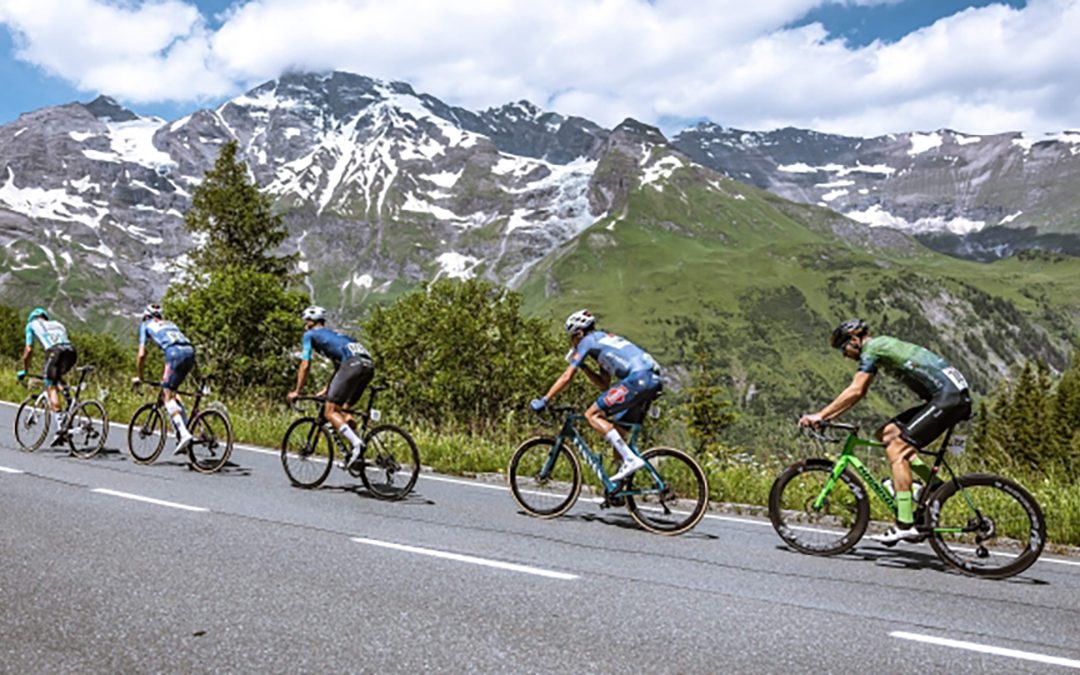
(60,357)
(179,357)
(637,383)
(353,371)
(946,401)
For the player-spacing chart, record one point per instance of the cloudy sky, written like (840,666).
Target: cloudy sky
(848,66)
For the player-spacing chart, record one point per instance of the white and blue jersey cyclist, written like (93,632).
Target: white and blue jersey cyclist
(353,371)
(179,356)
(637,383)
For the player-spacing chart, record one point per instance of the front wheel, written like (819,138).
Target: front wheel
(32,422)
(391,462)
(815,514)
(544,480)
(211,442)
(88,430)
(146,434)
(670,498)
(306,453)
(986,526)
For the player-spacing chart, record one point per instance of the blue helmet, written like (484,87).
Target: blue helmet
(36,313)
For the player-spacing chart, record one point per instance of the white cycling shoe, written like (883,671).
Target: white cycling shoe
(898,533)
(184,444)
(628,467)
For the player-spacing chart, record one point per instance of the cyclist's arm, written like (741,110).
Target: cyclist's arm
(301,376)
(849,397)
(140,361)
(561,383)
(26,357)
(602,380)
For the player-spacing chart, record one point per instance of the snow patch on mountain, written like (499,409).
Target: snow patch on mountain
(921,143)
(456,265)
(49,204)
(876,216)
(662,169)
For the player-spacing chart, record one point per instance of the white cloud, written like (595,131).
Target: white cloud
(981,70)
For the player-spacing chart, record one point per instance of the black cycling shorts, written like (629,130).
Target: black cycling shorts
(58,361)
(350,380)
(921,425)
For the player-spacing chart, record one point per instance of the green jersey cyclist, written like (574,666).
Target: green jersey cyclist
(627,400)
(60,356)
(946,401)
(353,372)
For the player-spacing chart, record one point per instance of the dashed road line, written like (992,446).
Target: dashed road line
(473,560)
(149,500)
(4,469)
(987,649)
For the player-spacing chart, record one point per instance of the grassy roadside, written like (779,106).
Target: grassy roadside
(739,481)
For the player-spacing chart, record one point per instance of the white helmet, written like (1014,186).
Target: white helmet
(314,313)
(580,320)
(152,311)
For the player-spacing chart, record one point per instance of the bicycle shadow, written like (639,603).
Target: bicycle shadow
(625,522)
(413,498)
(117,454)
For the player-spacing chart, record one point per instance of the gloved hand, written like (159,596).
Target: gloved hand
(20,375)
(538,404)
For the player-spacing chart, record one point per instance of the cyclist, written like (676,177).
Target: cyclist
(179,361)
(638,383)
(353,372)
(946,401)
(60,356)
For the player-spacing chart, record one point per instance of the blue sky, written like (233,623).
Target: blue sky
(852,66)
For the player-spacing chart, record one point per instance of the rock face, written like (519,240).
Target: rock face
(972,196)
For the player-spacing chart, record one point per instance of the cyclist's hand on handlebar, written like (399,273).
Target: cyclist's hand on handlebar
(292,396)
(538,404)
(21,375)
(812,420)
(136,381)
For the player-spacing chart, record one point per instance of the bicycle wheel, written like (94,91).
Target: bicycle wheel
(391,462)
(830,530)
(544,481)
(306,453)
(32,422)
(146,434)
(211,442)
(672,503)
(88,429)
(986,526)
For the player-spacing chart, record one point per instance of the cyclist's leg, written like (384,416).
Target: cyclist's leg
(178,363)
(345,386)
(629,394)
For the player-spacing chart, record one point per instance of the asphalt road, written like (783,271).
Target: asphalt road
(241,572)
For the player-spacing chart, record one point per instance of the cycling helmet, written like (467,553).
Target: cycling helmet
(579,321)
(153,310)
(37,312)
(314,313)
(844,332)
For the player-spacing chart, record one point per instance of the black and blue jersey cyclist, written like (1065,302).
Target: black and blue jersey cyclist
(60,356)
(638,383)
(179,356)
(353,372)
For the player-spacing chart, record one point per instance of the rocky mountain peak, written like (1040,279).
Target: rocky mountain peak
(107,109)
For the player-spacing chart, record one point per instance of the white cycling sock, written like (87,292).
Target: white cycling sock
(619,444)
(349,435)
(176,413)
(58,420)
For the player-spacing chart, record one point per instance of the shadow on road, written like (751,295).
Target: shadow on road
(413,498)
(626,522)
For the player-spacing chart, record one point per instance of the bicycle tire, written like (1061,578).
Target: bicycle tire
(212,441)
(146,434)
(88,429)
(562,484)
(33,414)
(304,465)
(1024,531)
(795,520)
(390,454)
(685,483)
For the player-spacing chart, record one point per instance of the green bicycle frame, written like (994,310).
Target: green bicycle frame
(569,432)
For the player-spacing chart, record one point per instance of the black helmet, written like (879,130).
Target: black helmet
(844,332)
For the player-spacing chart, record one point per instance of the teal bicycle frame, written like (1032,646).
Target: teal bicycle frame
(569,432)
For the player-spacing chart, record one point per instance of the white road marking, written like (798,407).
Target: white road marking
(987,649)
(149,500)
(513,567)
(4,469)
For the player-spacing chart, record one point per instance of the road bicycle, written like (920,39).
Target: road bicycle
(669,495)
(389,463)
(211,431)
(980,524)
(85,427)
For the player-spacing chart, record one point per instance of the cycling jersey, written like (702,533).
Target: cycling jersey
(920,369)
(617,356)
(164,334)
(49,333)
(335,346)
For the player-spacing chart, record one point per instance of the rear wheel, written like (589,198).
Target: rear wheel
(830,529)
(672,500)
(88,429)
(544,480)
(986,526)
(306,453)
(32,422)
(391,462)
(146,434)
(211,442)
